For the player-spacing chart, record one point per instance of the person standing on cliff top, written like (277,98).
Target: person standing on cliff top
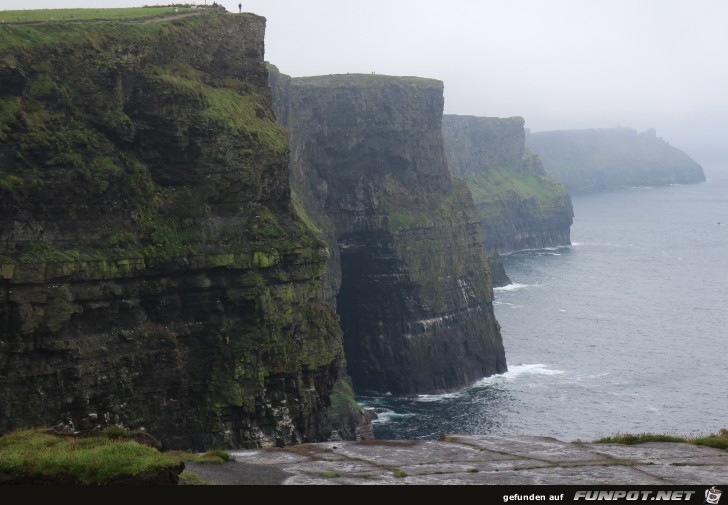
(240,8)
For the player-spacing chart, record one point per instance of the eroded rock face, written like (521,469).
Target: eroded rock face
(519,206)
(154,273)
(413,293)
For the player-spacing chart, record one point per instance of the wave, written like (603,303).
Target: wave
(516,371)
(439,398)
(514,287)
(507,304)
(387,416)
(648,187)
(537,249)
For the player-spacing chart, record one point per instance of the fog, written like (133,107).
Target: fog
(561,64)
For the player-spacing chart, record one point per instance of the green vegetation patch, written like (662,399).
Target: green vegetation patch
(329,475)
(214,457)
(402,220)
(247,114)
(718,440)
(342,398)
(123,14)
(495,186)
(39,252)
(38,453)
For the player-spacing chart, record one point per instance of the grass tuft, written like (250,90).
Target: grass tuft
(718,440)
(38,453)
(329,475)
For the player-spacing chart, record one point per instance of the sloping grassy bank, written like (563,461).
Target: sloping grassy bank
(717,440)
(37,456)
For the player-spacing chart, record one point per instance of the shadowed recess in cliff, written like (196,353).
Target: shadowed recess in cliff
(154,271)
(410,274)
(519,206)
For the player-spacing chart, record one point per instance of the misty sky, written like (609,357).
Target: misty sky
(561,64)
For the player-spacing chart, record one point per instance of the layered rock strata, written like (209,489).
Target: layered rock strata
(519,205)
(154,273)
(411,278)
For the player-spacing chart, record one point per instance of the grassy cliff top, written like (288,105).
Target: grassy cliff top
(123,14)
(363,80)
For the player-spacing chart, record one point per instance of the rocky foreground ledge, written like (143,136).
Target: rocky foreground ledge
(459,459)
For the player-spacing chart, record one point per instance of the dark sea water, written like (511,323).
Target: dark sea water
(624,331)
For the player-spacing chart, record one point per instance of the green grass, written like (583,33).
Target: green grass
(718,440)
(40,252)
(188,478)
(123,14)
(342,398)
(402,220)
(329,475)
(214,457)
(96,460)
(248,114)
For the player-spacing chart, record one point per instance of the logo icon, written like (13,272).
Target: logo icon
(712,496)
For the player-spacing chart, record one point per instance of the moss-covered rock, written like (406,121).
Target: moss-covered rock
(408,271)
(154,272)
(519,206)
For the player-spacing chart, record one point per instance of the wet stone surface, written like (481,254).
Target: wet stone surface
(460,459)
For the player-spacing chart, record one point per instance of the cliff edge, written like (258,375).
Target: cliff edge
(413,290)
(519,205)
(154,273)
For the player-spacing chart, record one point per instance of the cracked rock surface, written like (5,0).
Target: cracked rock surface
(474,459)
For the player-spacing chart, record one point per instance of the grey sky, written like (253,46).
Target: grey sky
(561,64)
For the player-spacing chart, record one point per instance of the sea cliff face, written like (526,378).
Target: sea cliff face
(612,158)
(411,278)
(519,206)
(154,273)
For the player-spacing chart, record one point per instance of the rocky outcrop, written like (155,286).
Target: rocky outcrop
(519,206)
(411,278)
(612,158)
(154,273)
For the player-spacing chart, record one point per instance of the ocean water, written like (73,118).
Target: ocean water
(624,331)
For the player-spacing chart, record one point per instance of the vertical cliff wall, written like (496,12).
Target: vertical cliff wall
(414,294)
(519,206)
(153,270)
(612,158)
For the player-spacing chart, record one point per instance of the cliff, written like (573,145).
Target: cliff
(412,288)
(612,158)
(519,206)
(154,271)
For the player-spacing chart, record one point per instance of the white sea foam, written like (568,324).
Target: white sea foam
(513,287)
(387,416)
(598,376)
(515,371)
(507,304)
(438,398)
